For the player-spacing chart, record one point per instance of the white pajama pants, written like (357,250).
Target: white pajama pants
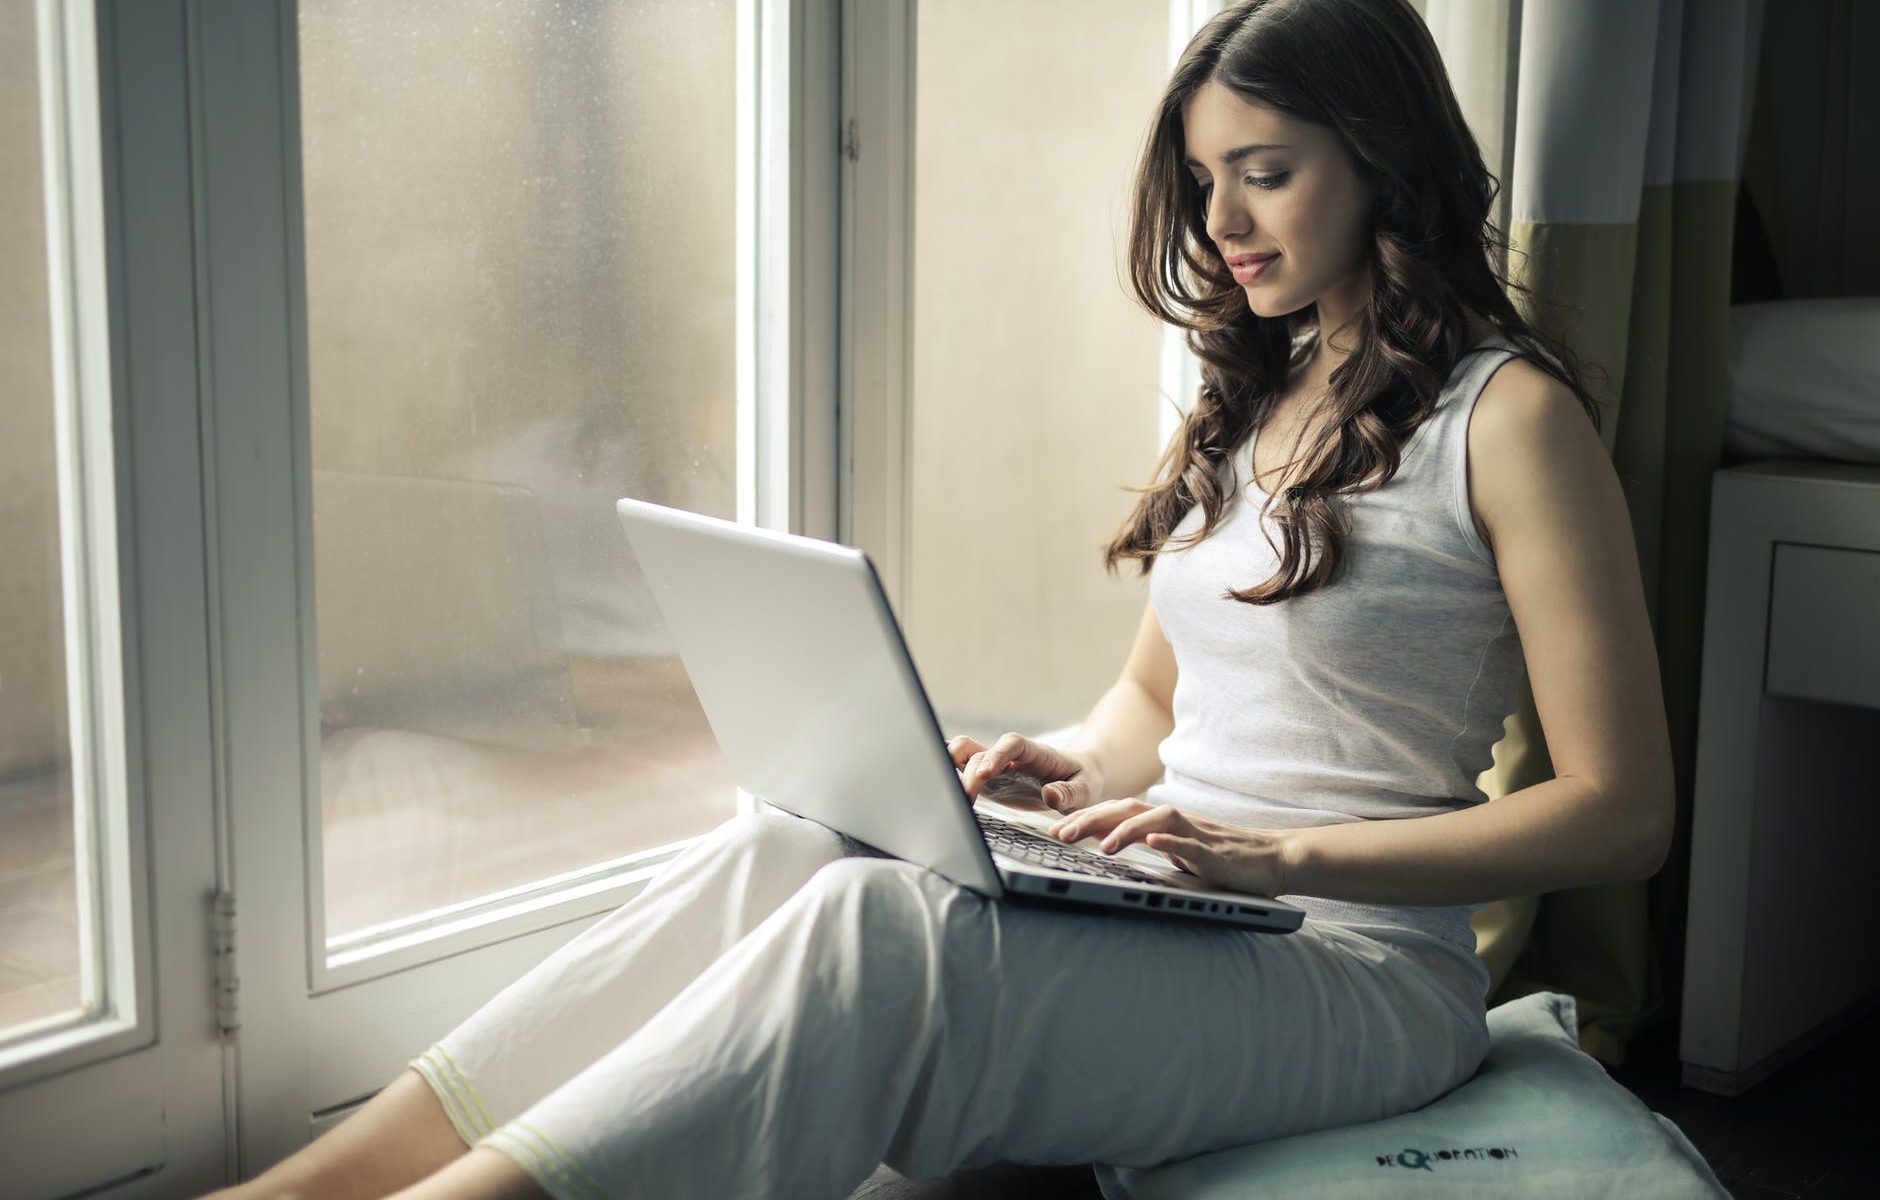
(777,1013)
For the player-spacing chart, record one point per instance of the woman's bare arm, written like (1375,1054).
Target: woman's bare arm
(1130,720)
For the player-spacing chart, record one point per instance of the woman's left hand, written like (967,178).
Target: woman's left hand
(1227,856)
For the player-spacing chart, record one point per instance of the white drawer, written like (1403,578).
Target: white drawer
(1824,625)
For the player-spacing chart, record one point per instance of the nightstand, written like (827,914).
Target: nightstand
(1781,948)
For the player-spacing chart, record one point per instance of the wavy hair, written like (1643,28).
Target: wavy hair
(1370,71)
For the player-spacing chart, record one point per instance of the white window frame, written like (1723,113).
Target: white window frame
(876,262)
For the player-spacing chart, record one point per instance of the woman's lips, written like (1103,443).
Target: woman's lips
(1250,268)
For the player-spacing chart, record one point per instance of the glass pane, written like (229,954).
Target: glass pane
(521,282)
(1035,377)
(39,930)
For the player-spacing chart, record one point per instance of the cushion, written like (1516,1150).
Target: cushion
(1540,1118)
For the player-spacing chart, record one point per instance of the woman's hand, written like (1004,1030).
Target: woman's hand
(1221,855)
(1071,781)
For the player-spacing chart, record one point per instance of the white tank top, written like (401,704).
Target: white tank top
(1376,697)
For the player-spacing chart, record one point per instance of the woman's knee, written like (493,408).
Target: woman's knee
(782,831)
(893,894)
(864,875)
(769,821)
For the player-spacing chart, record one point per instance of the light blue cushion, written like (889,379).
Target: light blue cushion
(1540,1118)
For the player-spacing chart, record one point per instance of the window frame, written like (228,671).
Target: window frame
(875,254)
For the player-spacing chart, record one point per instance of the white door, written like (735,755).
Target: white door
(475,271)
(111,1065)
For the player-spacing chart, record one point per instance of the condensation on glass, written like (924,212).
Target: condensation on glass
(1035,378)
(40,938)
(521,281)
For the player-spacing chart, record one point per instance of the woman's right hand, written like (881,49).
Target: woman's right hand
(1071,780)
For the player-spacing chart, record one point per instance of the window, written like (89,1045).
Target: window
(520,229)
(41,945)
(72,975)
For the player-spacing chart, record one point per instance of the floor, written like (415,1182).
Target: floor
(38,902)
(1801,1134)
(1804,1133)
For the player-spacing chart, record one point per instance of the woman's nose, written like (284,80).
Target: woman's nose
(1226,220)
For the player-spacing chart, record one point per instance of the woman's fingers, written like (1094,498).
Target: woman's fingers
(962,748)
(981,767)
(1010,750)
(1188,853)
(1097,820)
(1009,753)
(1067,796)
(1068,782)
(1119,822)
(968,754)
(1163,818)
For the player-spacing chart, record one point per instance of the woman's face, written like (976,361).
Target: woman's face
(1274,184)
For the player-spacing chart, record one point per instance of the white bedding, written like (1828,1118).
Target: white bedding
(1805,380)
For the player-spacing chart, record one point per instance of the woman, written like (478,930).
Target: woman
(1377,509)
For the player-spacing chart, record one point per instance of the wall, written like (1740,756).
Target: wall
(1035,377)
(1810,166)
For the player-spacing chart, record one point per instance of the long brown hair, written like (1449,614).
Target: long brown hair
(1370,71)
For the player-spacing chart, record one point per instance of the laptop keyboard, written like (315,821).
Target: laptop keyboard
(1028,845)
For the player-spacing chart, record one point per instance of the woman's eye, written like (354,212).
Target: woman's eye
(1263,182)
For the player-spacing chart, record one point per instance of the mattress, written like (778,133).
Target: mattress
(1805,380)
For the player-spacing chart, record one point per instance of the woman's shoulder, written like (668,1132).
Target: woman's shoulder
(1519,393)
(1526,424)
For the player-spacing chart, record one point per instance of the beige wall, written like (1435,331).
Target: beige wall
(1034,378)
(32,667)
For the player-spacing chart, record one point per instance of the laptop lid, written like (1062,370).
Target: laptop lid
(804,677)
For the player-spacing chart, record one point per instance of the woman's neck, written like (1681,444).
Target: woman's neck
(1311,379)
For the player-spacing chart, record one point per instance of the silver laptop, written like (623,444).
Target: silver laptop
(807,682)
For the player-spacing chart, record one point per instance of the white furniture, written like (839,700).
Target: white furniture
(1780,944)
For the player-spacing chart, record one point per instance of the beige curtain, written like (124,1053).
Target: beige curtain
(1618,128)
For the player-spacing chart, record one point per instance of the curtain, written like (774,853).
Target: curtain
(1618,129)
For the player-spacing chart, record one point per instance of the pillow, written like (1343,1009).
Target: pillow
(1540,1118)
(1805,380)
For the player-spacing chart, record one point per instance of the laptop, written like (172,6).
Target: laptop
(808,685)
